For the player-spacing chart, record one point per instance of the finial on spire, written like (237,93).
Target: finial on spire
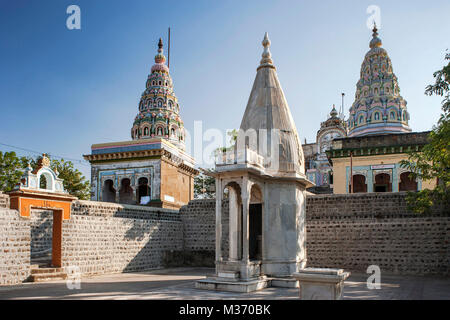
(375,42)
(375,27)
(160,58)
(266,55)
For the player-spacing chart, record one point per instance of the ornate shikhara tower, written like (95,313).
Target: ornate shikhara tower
(378,107)
(153,168)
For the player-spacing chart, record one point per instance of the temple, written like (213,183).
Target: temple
(378,107)
(379,136)
(264,180)
(318,168)
(153,168)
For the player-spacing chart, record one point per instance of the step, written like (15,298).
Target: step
(41,277)
(46,270)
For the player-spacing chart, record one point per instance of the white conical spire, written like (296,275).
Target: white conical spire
(267,110)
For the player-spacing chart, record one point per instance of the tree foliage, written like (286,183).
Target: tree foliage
(204,187)
(433,163)
(12,168)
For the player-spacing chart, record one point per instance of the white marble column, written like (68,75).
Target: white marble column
(234,234)
(245,213)
(219,193)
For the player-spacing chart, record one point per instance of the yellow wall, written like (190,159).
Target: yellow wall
(340,164)
(177,184)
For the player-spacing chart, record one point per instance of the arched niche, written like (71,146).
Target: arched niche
(46,179)
(108,191)
(255,223)
(359,183)
(143,195)
(406,183)
(125,191)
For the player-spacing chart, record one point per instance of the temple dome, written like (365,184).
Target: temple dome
(268,109)
(378,107)
(159,110)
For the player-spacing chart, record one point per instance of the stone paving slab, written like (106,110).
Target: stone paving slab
(178,283)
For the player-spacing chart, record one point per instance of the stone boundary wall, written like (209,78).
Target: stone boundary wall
(350,232)
(199,234)
(4,200)
(99,238)
(41,224)
(14,247)
(359,230)
(103,237)
(107,209)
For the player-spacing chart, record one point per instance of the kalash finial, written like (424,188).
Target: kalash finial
(160,58)
(375,42)
(266,60)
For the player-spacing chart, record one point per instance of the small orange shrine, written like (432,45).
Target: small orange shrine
(42,189)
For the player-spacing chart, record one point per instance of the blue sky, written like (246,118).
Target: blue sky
(63,90)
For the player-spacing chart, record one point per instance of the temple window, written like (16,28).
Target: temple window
(146,131)
(404,116)
(108,192)
(172,131)
(392,115)
(376,116)
(160,104)
(143,192)
(159,82)
(126,192)
(361,119)
(376,91)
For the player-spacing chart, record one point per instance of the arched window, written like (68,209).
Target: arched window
(361,119)
(172,132)
(160,104)
(160,131)
(146,131)
(392,115)
(406,183)
(153,83)
(404,116)
(108,192)
(376,116)
(359,184)
(143,192)
(170,104)
(159,82)
(376,91)
(382,183)
(126,192)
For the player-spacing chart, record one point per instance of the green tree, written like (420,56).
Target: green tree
(204,187)
(11,169)
(433,163)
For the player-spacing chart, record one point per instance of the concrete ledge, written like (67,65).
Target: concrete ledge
(321,283)
(217,284)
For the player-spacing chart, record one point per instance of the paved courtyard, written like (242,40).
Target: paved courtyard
(178,283)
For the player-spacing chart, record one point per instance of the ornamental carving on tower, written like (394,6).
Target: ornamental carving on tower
(159,110)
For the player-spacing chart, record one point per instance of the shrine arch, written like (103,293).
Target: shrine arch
(406,183)
(359,184)
(108,191)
